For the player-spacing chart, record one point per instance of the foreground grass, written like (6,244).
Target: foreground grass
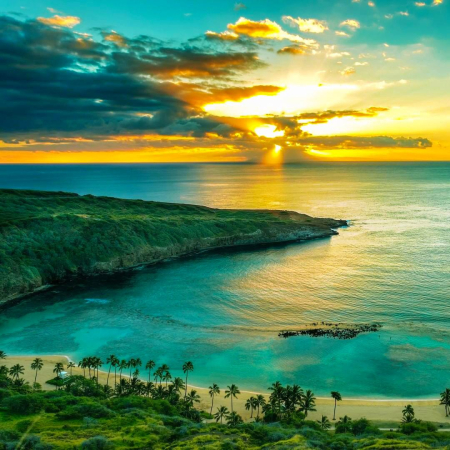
(67,420)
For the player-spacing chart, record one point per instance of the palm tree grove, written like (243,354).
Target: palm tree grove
(84,398)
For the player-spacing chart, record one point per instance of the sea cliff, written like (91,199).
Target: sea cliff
(49,237)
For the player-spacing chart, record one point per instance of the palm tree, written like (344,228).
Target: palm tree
(178,384)
(59,367)
(89,365)
(83,365)
(2,354)
(158,374)
(231,392)
(96,363)
(167,377)
(297,395)
(345,423)
(70,367)
(131,364)
(337,398)
(213,390)
(308,402)
(36,365)
(324,423)
(160,392)
(16,370)
(111,361)
(187,367)
(149,366)
(445,400)
(250,404)
(122,365)
(221,413)
(260,402)
(193,397)
(276,395)
(234,419)
(149,387)
(115,364)
(408,414)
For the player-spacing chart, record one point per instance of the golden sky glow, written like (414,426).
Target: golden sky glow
(358,82)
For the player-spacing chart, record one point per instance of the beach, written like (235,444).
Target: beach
(386,413)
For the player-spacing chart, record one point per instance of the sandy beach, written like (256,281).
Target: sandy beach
(384,412)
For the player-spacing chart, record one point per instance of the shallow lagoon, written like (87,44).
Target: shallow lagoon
(223,310)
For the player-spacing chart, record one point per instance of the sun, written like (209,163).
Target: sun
(268,131)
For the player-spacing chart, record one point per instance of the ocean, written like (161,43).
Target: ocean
(223,310)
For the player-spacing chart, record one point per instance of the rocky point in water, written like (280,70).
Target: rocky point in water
(333,330)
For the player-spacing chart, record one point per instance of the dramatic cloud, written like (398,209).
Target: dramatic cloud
(296,49)
(60,21)
(306,25)
(350,23)
(67,90)
(341,33)
(44,93)
(266,29)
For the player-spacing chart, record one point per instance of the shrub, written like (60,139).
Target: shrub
(94,410)
(79,386)
(164,407)
(23,425)
(4,393)
(131,402)
(7,435)
(363,426)
(97,443)
(33,443)
(417,427)
(24,404)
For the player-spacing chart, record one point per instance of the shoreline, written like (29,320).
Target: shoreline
(12,300)
(382,412)
(355,400)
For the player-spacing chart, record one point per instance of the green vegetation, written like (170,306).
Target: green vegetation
(46,237)
(133,414)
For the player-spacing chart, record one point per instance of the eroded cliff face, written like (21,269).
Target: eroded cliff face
(46,238)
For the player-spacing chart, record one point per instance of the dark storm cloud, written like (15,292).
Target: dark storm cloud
(54,81)
(189,62)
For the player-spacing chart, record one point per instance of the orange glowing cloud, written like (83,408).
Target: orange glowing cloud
(115,38)
(60,21)
(307,25)
(350,23)
(224,36)
(266,29)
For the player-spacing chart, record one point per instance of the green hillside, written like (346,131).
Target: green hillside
(46,237)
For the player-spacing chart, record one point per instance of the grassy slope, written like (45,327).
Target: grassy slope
(47,236)
(141,423)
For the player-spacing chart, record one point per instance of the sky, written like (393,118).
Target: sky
(252,81)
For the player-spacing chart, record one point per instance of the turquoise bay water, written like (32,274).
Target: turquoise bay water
(223,310)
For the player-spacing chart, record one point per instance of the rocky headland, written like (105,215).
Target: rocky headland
(49,237)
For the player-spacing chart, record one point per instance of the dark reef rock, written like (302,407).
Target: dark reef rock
(333,330)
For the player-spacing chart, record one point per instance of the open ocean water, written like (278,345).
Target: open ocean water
(223,310)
